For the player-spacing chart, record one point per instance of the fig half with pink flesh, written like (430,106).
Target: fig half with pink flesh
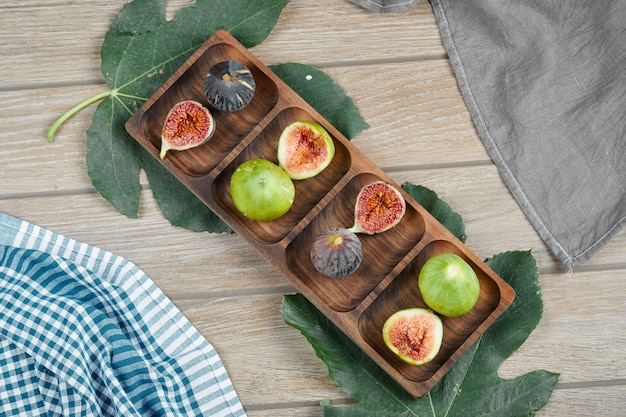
(414,335)
(379,207)
(304,149)
(187,125)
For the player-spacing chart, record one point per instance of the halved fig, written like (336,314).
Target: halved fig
(336,253)
(414,335)
(187,125)
(379,207)
(305,149)
(229,86)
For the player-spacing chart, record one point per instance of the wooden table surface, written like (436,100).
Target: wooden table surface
(397,72)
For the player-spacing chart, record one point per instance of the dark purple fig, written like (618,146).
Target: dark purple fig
(187,125)
(304,149)
(379,207)
(229,86)
(336,253)
(414,335)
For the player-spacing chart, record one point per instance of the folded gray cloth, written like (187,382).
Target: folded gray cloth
(545,83)
(386,6)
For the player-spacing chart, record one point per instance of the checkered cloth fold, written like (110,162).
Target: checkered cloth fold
(84,332)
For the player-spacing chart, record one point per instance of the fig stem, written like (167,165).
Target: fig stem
(75,110)
(356,229)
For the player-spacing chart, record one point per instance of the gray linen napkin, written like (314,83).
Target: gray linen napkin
(545,83)
(386,6)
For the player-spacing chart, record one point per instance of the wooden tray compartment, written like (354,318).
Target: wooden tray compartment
(230,128)
(459,332)
(381,252)
(309,192)
(387,278)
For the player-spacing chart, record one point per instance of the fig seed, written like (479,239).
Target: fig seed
(414,335)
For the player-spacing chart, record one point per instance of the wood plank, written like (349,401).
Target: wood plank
(416,107)
(35,50)
(585,402)
(182,263)
(40,37)
(415,112)
(306,411)
(494,223)
(178,249)
(330,32)
(267,360)
(29,163)
(577,328)
(284,363)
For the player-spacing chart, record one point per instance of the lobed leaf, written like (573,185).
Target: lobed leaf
(319,90)
(142,50)
(472,387)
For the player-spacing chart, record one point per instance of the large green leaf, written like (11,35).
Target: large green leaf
(472,387)
(141,50)
(324,96)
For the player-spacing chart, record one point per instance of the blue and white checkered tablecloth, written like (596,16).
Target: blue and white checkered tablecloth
(84,332)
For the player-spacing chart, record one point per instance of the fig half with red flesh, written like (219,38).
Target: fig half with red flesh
(379,207)
(304,149)
(187,125)
(414,335)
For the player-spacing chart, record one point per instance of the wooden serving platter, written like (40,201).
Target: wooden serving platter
(385,282)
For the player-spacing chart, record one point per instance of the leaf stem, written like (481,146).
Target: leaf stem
(75,110)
